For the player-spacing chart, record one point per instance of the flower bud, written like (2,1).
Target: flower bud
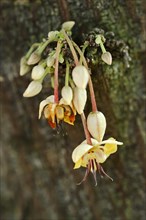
(80,76)
(50,61)
(107,58)
(68,25)
(79,99)
(96,124)
(67,94)
(33,89)
(98,39)
(34,58)
(37,72)
(52,35)
(24,68)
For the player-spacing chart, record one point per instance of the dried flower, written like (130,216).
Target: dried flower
(96,124)
(37,72)
(80,76)
(107,58)
(33,89)
(55,112)
(79,99)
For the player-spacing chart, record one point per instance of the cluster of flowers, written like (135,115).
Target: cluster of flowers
(92,151)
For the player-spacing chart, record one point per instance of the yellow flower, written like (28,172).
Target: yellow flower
(56,112)
(91,156)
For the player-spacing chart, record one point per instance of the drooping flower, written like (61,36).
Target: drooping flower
(91,156)
(56,112)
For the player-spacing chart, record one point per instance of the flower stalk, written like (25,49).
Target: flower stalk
(71,47)
(87,134)
(67,74)
(58,49)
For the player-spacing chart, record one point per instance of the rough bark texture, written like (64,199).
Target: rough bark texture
(37,179)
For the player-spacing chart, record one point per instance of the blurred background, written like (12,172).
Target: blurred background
(37,177)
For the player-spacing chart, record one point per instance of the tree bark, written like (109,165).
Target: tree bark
(37,177)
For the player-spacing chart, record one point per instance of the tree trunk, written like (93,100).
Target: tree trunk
(37,177)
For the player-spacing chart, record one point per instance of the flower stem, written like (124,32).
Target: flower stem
(83,49)
(71,83)
(102,47)
(71,47)
(88,137)
(92,94)
(43,46)
(67,74)
(56,99)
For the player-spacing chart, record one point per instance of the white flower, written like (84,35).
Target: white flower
(68,25)
(33,89)
(67,94)
(80,76)
(79,99)
(37,72)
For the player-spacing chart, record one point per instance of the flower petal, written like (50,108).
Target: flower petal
(100,156)
(110,141)
(110,148)
(78,164)
(49,99)
(79,151)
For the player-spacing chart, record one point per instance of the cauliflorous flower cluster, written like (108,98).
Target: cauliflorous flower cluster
(42,60)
